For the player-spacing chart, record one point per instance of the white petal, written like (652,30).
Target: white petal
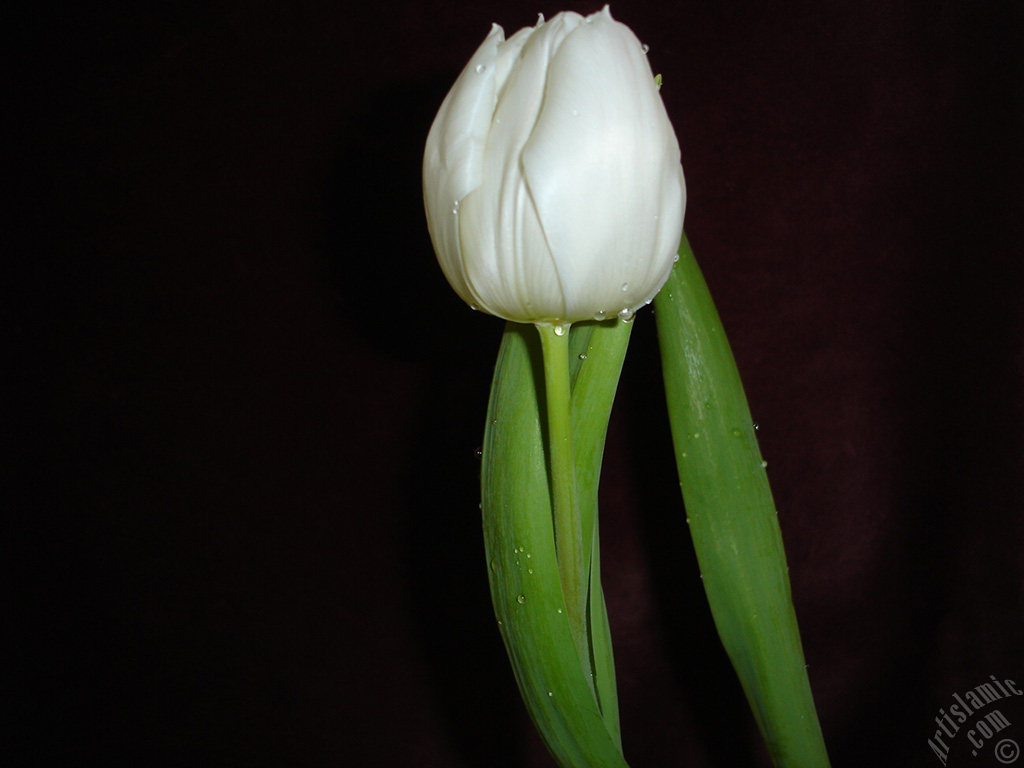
(453,157)
(512,274)
(602,166)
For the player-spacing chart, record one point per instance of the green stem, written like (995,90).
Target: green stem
(565,499)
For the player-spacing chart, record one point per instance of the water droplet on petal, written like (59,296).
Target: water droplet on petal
(481,67)
(625,315)
(600,315)
(559,330)
(645,47)
(675,258)
(625,286)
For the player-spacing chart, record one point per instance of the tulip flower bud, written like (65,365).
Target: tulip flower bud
(551,176)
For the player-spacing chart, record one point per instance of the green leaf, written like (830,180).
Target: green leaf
(732,517)
(576,717)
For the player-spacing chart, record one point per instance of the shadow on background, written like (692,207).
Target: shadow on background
(391,290)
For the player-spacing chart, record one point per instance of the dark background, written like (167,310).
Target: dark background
(243,496)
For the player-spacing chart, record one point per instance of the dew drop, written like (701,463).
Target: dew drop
(481,67)
(583,357)
(625,315)
(575,113)
(675,258)
(736,433)
(551,693)
(764,464)
(559,330)
(479,451)
(625,286)
(522,549)
(756,426)
(529,570)
(521,599)
(645,47)
(494,565)
(600,315)
(474,307)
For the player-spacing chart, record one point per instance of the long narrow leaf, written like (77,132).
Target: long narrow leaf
(732,517)
(576,717)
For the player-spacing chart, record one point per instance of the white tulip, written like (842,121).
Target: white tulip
(551,176)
